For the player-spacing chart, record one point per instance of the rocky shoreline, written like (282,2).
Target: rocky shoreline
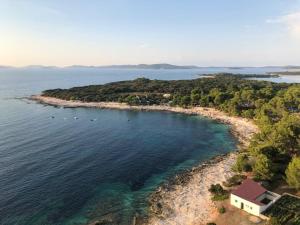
(242,128)
(184,199)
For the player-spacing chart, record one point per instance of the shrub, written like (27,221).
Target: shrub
(222,210)
(242,164)
(234,180)
(219,194)
(211,224)
(274,221)
(216,188)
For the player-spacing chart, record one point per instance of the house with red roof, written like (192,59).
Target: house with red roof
(251,197)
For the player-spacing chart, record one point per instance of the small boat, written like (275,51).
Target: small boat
(52,117)
(93,119)
(75,118)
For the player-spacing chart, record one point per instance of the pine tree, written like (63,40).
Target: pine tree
(293,173)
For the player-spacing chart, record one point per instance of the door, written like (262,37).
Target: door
(242,205)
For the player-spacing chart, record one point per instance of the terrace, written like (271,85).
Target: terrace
(267,198)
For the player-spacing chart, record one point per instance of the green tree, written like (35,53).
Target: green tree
(220,98)
(249,113)
(242,163)
(204,101)
(286,135)
(176,100)
(195,97)
(293,173)
(185,101)
(214,92)
(292,98)
(263,168)
(248,97)
(267,92)
(132,100)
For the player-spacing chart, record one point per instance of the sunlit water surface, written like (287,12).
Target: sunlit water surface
(56,169)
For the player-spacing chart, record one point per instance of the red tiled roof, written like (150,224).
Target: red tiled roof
(250,191)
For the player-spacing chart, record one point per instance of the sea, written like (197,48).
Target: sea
(73,166)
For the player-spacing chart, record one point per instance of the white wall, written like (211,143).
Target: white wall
(270,195)
(248,206)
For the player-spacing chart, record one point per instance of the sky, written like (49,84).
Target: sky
(189,32)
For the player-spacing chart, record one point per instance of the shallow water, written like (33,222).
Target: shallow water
(56,169)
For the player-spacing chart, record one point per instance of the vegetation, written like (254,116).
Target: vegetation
(236,179)
(285,211)
(275,107)
(293,173)
(219,194)
(211,223)
(222,210)
(228,92)
(273,221)
(242,163)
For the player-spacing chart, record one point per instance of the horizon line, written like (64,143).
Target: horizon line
(141,64)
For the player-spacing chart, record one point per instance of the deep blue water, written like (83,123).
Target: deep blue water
(61,171)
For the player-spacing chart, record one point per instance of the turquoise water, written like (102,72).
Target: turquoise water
(57,170)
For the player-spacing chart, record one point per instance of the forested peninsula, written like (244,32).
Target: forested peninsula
(274,107)
(273,154)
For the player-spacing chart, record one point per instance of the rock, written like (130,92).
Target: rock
(254,219)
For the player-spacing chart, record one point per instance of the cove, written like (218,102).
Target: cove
(102,165)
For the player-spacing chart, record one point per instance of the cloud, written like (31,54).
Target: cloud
(291,21)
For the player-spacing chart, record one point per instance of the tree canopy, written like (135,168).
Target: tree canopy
(293,173)
(275,107)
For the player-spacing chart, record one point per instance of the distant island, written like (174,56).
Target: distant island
(5,67)
(139,66)
(156,66)
(151,66)
(244,76)
(289,73)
